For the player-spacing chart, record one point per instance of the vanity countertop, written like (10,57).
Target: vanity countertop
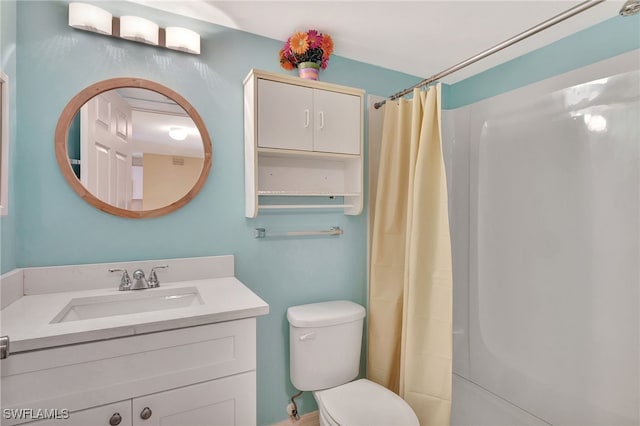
(28,320)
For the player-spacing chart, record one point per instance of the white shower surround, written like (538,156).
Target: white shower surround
(545,218)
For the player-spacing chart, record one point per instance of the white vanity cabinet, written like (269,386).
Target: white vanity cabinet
(303,139)
(202,375)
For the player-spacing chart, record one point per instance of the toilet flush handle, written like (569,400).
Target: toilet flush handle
(308,336)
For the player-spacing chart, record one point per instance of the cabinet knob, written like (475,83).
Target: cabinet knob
(145,413)
(115,419)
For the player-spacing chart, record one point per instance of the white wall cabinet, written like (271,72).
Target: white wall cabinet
(307,119)
(303,139)
(197,376)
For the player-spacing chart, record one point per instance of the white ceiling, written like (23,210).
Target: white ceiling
(420,38)
(153,115)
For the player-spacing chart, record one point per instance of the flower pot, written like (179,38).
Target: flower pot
(308,70)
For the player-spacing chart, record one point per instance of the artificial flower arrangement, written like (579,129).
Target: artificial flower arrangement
(310,46)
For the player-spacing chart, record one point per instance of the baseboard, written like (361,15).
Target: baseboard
(309,419)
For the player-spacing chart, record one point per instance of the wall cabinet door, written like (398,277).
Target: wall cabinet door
(336,122)
(284,116)
(302,118)
(222,402)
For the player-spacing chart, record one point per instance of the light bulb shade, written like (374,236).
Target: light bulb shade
(178,133)
(139,29)
(90,18)
(178,38)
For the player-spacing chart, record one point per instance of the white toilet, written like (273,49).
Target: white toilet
(324,342)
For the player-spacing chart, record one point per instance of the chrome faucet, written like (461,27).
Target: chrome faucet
(125,281)
(139,280)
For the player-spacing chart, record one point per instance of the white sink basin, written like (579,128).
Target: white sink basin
(130,302)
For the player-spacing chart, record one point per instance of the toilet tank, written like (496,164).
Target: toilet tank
(324,344)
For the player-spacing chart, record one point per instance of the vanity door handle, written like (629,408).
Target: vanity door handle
(321,119)
(115,419)
(145,413)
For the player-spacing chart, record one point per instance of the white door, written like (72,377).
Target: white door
(222,402)
(285,118)
(336,122)
(106,147)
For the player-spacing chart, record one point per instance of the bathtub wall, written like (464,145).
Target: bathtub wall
(544,186)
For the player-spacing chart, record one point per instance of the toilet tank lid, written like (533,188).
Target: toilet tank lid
(325,313)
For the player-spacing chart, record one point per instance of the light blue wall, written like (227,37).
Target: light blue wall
(56,227)
(599,42)
(8,259)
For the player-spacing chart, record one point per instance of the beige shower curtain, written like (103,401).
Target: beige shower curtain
(410,293)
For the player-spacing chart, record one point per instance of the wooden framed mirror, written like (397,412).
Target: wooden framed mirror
(133,148)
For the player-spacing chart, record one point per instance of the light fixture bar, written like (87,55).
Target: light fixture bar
(87,17)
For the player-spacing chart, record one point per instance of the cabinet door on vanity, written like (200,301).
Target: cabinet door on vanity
(336,122)
(284,116)
(116,414)
(222,402)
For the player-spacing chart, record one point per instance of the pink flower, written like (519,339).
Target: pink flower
(287,47)
(314,38)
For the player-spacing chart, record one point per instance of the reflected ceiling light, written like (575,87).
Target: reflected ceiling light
(178,133)
(90,18)
(139,29)
(177,38)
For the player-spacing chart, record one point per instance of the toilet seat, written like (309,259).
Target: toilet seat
(364,403)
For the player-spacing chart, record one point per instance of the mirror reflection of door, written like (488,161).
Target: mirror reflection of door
(138,150)
(106,147)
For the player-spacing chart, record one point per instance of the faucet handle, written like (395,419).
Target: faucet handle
(153,278)
(125,281)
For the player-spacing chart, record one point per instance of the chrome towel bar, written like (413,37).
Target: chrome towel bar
(262,233)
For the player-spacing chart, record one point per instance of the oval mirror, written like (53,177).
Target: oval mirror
(133,148)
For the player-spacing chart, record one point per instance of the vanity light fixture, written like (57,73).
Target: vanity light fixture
(88,17)
(178,133)
(139,29)
(182,39)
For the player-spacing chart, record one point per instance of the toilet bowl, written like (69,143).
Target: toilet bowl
(325,344)
(363,403)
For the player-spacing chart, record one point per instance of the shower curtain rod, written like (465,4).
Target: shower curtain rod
(498,47)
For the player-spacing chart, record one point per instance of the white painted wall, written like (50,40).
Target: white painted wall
(545,218)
